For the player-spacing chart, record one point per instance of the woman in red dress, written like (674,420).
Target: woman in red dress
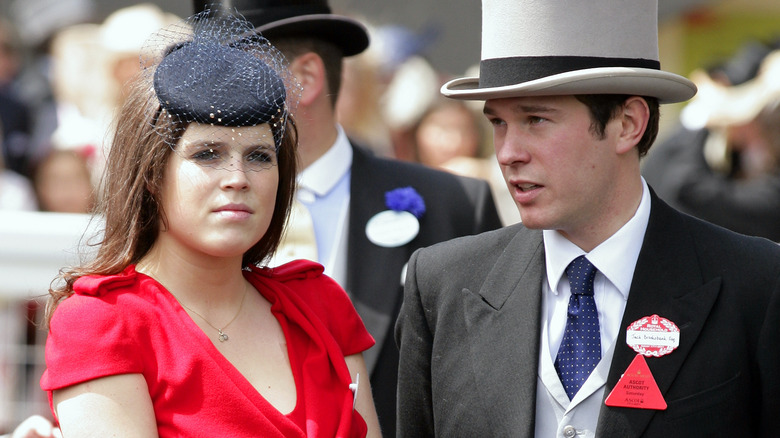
(172,329)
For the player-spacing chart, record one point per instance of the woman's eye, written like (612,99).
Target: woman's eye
(261,156)
(206,154)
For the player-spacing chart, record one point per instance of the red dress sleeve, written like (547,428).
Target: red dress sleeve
(90,335)
(327,300)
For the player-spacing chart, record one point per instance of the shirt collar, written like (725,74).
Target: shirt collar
(321,176)
(615,258)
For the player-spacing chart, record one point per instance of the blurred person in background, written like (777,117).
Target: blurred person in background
(412,89)
(63,181)
(447,130)
(16,191)
(37,23)
(386,89)
(453,136)
(122,35)
(14,112)
(358,108)
(723,164)
(79,84)
(92,65)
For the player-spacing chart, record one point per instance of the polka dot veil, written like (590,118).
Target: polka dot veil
(214,70)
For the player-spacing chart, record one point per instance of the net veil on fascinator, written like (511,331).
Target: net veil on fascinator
(214,70)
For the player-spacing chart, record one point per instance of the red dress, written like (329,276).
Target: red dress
(129,323)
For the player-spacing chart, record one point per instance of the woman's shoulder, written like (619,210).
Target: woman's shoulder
(291,271)
(107,297)
(103,285)
(321,298)
(302,276)
(306,285)
(106,320)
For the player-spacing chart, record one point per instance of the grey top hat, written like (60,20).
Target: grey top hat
(534,48)
(283,18)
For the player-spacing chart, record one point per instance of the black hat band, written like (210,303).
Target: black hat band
(501,72)
(261,16)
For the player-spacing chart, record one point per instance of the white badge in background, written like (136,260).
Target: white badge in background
(391,229)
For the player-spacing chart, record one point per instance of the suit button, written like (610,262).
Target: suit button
(569,432)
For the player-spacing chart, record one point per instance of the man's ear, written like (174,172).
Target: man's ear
(309,70)
(634,120)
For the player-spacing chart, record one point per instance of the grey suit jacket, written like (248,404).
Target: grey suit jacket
(469,334)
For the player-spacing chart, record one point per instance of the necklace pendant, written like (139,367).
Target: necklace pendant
(222,336)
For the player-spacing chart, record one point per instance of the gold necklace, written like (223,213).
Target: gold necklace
(222,335)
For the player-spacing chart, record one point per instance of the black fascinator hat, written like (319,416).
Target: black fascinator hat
(214,69)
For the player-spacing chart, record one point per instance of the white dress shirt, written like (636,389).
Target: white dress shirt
(323,187)
(615,259)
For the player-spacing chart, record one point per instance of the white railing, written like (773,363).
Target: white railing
(34,246)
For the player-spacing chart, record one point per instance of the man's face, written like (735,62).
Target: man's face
(561,175)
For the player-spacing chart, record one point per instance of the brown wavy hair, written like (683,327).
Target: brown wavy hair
(129,200)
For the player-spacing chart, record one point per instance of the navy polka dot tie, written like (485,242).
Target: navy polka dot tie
(580,349)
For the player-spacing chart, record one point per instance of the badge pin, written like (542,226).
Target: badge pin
(391,228)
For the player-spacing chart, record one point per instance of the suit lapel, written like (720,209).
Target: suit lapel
(667,282)
(504,332)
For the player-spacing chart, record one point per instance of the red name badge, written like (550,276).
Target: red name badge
(637,388)
(651,336)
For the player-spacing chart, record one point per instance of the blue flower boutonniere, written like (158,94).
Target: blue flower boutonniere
(400,224)
(405,199)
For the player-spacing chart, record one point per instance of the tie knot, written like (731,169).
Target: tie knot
(581,273)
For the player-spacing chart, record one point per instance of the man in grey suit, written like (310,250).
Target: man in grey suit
(606,313)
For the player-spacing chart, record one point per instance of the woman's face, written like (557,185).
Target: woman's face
(219,190)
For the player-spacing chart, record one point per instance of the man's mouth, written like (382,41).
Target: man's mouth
(527,187)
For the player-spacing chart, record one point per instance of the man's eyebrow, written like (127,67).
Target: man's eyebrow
(523,108)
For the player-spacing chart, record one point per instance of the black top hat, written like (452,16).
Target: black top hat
(288,18)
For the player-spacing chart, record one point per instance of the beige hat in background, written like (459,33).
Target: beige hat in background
(719,105)
(125,31)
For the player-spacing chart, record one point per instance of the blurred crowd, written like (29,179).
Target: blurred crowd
(60,85)
(722,163)
(61,78)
